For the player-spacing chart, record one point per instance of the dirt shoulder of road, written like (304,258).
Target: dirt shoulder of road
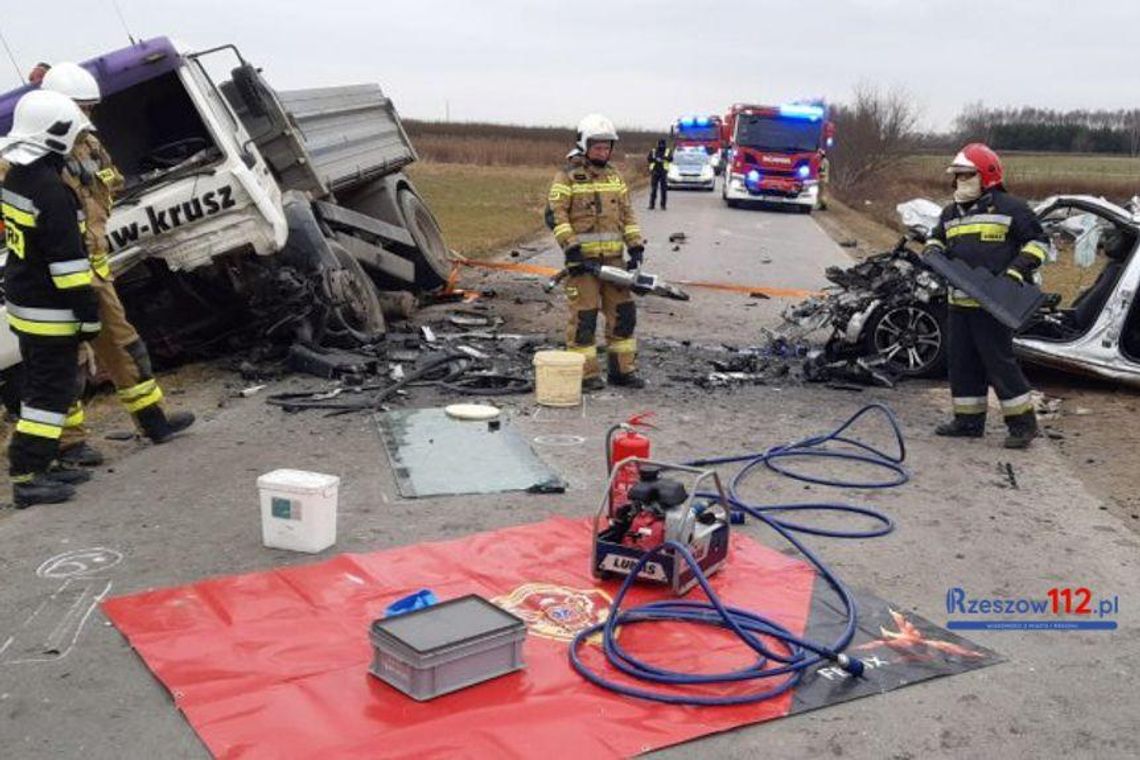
(1097,426)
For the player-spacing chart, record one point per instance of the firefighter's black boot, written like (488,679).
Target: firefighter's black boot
(69,474)
(40,490)
(619,378)
(81,455)
(628,380)
(595,383)
(160,427)
(1022,430)
(963,426)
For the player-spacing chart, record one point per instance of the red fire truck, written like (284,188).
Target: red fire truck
(773,153)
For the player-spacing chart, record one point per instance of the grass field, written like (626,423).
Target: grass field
(1039,175)
(484,209)
(508,145)
(1034,176)
(1034,165)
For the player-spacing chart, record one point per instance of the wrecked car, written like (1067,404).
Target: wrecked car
(888,309)
(888,312)
(247,208)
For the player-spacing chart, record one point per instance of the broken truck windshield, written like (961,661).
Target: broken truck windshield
(152,129)
(772,133)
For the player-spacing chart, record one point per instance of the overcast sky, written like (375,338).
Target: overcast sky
(642,62)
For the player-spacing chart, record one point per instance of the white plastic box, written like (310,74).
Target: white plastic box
(298,510)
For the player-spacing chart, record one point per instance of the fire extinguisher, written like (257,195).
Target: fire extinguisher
(623,442)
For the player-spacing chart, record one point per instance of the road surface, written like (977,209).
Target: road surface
(188,510)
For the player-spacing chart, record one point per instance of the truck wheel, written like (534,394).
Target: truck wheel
(355,301)
(433,266)
(912,338)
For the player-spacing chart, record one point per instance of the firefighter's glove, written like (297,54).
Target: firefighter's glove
(636,257)
(576,263)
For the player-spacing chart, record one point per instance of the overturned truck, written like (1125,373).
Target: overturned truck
(247,207)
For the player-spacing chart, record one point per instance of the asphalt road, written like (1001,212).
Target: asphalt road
(188,510)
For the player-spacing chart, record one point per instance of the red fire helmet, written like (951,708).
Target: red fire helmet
(980,158)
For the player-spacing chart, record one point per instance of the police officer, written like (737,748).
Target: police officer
(47,281)
(986,227)
(593,224)
(659,159)
(91,173)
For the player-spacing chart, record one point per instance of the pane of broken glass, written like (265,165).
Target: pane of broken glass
(434,455)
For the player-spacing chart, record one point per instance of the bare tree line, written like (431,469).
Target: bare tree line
(1030,128)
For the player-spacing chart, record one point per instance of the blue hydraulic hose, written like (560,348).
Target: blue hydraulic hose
(798,654)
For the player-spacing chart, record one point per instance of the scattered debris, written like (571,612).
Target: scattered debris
(848,243)
(678,237)
(330,364)
(1006,470)
(251,391)
(1046,407)
(120,435)
(462,318)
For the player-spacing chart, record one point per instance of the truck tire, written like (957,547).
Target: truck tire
(433,266)
(354,293)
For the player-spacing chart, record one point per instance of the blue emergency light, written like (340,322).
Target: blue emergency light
(702,122)
(803,171)
(686,122)
(796,111)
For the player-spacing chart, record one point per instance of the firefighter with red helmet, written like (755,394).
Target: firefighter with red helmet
(986,227)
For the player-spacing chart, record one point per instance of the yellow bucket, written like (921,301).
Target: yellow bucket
(558,378)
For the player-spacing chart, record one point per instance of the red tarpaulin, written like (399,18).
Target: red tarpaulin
(275,664)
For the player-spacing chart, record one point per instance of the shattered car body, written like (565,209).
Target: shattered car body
(888,312)
(1098,332)
(888,309)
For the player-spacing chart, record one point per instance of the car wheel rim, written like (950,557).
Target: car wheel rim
(908,338)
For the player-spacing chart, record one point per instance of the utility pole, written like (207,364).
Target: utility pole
(447,110)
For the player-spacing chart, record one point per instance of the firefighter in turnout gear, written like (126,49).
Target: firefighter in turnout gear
(659,160)
(47,282)
(986,227)
(824,180)
(593,224)
(91,173)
